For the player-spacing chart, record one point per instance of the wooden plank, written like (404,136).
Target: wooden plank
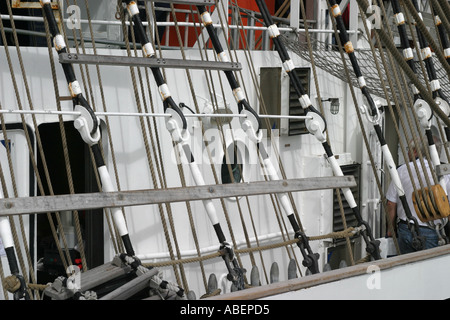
(132,287)
(111,60)
(89,201)
(101,274)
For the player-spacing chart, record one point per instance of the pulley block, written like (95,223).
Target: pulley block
(430,208)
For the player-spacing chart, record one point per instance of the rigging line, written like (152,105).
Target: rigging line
(181,172)
(39,144)
(222,201)
(277,205)
(157,145)
(115,241)
(396,102)
(356,103)
(442,101)
(442,26)
(8,229)
(226,150)
(419,104)
(421,26)
(66,159)
(417,95)
(439,97)
(317,127)
(177,127)
(427,57)
(289,207)
(225,21)
(90,132)
(91,101)
(215,104)
(169,212)
(319,99)
(252,127)
(84,73)
(145,135)
(423,110)
(21,291)
(446,10)
(358,112)
(337,15)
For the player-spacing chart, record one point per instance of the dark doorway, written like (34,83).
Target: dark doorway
(84,181)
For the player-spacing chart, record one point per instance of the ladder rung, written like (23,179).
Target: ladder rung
(147,62)
(89,201)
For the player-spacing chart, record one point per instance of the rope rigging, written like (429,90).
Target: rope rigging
(426,204)
(177,127)
(252,126)
(418,241)
(87,122)
(88,126)
(317,127)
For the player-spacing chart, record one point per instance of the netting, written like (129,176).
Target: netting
(327,57)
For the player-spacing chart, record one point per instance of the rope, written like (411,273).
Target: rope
(351,231)
(153,147)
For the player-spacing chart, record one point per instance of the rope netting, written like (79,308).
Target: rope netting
(327,57)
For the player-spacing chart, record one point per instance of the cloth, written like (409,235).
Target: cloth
(392,195)
(405,238)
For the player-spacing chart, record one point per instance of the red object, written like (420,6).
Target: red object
(193,33)
(78,263)
(346,17)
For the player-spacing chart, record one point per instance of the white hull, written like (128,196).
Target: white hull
(163,233)
(414,276)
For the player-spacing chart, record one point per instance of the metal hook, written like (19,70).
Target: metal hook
(374,119)
(249,123)
(85,124)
